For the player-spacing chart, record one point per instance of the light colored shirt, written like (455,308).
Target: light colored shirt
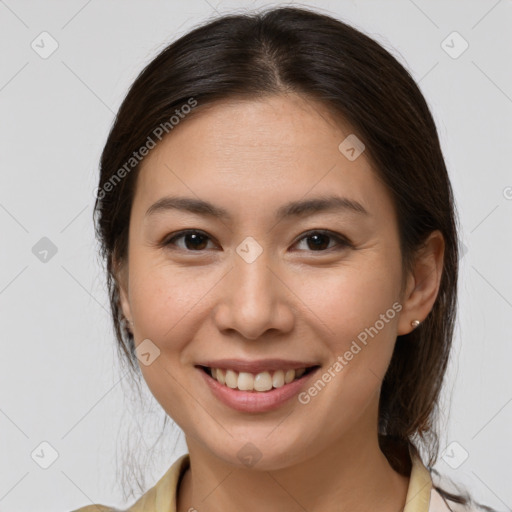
(421,496)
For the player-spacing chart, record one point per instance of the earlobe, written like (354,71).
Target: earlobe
(424,284)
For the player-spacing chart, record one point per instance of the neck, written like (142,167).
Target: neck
(353,475)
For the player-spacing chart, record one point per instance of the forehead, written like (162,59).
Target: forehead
(251,153)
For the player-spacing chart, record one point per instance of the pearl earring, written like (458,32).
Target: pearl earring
(415,323)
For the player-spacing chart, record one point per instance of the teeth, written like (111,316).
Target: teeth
(231,379)
(263,381)
(245,381)
(278,379)
(220,376)
(289,376)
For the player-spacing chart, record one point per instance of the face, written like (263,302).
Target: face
(264,281)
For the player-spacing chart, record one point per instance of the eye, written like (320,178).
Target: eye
(317,240)
(320,240)
(194,240)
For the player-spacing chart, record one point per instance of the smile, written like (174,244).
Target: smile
(275,387)
(260,382)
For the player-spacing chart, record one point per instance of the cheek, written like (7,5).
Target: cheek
(163,297)
(357,312)
(348,300)
(162,302)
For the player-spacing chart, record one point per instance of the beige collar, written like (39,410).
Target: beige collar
(162,496)
(420,486)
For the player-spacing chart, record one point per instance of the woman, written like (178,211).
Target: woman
(281,246)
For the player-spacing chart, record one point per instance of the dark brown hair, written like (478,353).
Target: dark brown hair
(292,50)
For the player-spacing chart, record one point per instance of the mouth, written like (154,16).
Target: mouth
(261,382)
(256,385)
(256,393)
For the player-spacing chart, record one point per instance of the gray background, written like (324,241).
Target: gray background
(60,380)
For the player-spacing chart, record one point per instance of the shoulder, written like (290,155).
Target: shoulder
(437,492)
(162,496)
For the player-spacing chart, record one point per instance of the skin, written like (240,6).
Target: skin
(293,302)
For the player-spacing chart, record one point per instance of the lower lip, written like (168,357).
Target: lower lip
(256,401)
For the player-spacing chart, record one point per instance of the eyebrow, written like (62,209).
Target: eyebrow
(291,209)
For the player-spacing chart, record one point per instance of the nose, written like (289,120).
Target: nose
(253,300)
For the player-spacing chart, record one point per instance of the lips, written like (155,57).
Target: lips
(256,401)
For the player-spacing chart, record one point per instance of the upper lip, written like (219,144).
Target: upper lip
(257,365)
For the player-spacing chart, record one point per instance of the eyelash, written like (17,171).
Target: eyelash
(342,241)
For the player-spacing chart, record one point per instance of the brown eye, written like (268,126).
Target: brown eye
(319,241)
(193,240)
(316,241)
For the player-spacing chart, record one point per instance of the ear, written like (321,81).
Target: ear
(422,283)
(121,276)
